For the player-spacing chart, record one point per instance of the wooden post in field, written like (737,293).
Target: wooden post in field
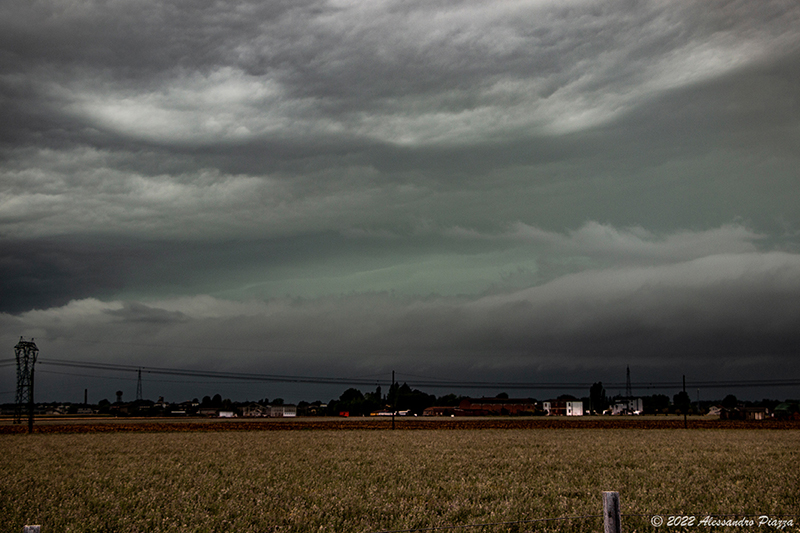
(394,399)
(685,409)
(611,519)
(31,529)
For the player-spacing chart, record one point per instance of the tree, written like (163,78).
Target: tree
(373,401)
(391,396)
(682,402)
(351,400)
(657,403)
(730,401)
(415,400)
(350,395)
(597,397)
(449,400)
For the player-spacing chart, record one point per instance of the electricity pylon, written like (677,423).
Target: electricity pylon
(26,352)
(628,389)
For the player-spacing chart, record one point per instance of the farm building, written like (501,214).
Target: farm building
(756,413)
(439,411)
(787,411)
(254,410)
(495,406)
(627,406)
(283,411)
(389,412)
(563,407)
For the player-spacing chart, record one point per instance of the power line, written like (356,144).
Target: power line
(239,376)
(418,382)
(208,381)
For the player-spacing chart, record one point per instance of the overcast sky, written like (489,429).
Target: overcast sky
(516,190)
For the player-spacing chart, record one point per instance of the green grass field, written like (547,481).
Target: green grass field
(365,481)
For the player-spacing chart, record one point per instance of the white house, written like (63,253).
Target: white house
(563,407)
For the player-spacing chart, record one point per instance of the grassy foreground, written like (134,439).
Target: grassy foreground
(365,481)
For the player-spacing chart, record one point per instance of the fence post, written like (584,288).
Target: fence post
(31,529)
(611,518)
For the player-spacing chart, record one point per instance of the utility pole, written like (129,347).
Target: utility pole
(139,386)
(628,389)
(685,423)
(26,353)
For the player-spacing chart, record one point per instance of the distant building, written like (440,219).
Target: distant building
(627,406)
(283,411)
(732,413)
(563,407)
(255,410)
(495,406)
(389,412)
(755,413)
(439,411)
(787,411)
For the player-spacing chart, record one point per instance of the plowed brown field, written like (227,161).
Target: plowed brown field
(301,424)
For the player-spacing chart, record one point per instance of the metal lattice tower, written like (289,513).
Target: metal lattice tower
(628,390)
(26,353)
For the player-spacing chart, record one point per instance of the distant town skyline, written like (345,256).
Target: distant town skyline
(520,191)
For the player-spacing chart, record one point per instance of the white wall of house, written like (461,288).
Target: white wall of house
(572,408)
(575,408)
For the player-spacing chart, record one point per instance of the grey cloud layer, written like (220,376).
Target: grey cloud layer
(51,272)
(208,120)
(502,184)
(395,72)
(708,315)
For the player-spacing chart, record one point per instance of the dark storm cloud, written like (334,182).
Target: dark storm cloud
(707,316)
(50,272)
(134,312)
(410,66)
(330,185)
